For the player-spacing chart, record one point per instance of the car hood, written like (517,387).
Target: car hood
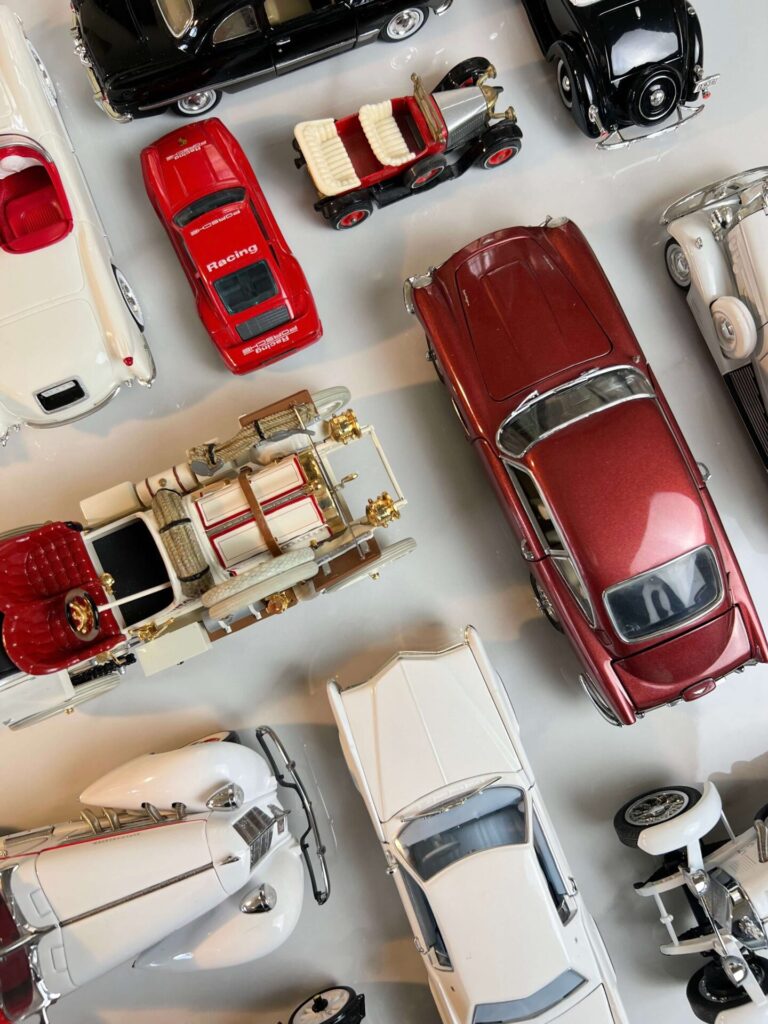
(593,1009)
(422,724)
(525,319)
(51,346)
(522,945)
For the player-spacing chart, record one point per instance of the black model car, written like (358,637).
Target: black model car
(145,56)
(619,65)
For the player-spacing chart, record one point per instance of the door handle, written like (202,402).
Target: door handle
(527,551)
(283,42)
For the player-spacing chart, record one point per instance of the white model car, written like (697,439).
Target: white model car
(71,329)
(725,886)
(180,861)
(717,252)
(434,748)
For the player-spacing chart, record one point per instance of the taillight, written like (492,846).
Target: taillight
(16,985)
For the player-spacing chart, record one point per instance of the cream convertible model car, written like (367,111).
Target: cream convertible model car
(71,329)
(180,861)
(717,253)
(434,749)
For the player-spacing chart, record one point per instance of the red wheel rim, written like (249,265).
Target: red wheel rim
(424,178)
(351,219)
(500,157)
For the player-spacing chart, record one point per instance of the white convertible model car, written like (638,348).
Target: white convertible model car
(180,861)
(71,329)
(725,886)
(718,253)
(434,748)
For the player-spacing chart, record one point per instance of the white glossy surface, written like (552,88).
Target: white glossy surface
(467,568)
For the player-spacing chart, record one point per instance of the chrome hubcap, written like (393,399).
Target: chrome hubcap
(566,86)
(198,102)
(323,1007)
(678,265)
(656,808)
(405,23)
(657,97)
(726,329)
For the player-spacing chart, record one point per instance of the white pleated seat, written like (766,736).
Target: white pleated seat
(384,135)
(327,159)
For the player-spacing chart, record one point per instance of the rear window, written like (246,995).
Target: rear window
(551,412)
(665,598)
(532,1006)
(207,204)
(178,15)
(643,38)
(246,288)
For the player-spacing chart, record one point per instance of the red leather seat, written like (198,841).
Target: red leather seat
(31,211)
(37,570)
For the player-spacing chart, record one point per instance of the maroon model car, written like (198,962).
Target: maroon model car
(627,553)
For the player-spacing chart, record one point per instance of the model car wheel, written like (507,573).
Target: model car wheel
(425,173)
(129,297)
(405,24)
(655,807)
(678,267)
(499,152)
(353,215)
(371,570)
(469,72)
(735,327)
(710,991)
(545,605)
(332,1006)
(198,103)
(575,90)
(655,96)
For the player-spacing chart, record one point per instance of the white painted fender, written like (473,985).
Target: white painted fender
(226,937)
(687,828)
(189,776)
(750,1013)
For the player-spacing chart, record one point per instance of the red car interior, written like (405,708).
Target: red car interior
(34,211)
(16,986)
(411,123)
(37,571)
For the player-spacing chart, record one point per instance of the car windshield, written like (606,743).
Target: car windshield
(178,15)
(553,411)
(213,201)
(484,821)
(246,288)
(667,597)
(532,1006)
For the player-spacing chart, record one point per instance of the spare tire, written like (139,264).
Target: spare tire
(467,73)
(655,96)
(735,326)
(655,807)
(710,991)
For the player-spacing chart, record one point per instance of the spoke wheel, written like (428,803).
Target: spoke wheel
(656,807)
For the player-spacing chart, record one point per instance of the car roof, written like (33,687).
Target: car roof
(621,492)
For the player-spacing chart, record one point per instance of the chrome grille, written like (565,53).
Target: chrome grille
(745,391)
(255,828)
(264,322)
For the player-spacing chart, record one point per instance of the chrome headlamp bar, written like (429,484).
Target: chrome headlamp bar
(288,777)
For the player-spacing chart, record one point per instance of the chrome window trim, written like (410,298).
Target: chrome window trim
(189,22)
(685,622)
(535,397)
(588,611)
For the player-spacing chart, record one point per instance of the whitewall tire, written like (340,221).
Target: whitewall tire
(735,327)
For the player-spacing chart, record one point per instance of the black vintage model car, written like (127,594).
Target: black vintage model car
(636,64)
(145,56)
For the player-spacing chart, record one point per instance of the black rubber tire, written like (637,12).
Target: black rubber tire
(352,1012)
(711,978)
(200,113)
(464,74)
(570,65)
(543,601)
(384,35)
(351,215)
(425,173)
(494,145)
(628,834)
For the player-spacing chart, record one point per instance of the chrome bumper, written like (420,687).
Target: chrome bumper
(99,98)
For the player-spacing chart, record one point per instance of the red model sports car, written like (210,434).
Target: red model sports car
(627,553)
(252,295)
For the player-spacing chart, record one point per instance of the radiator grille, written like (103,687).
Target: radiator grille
(745,391)
(264,322)
(256,829)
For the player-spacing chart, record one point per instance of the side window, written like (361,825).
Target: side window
(570,574)
(555,882)
(239,23)
(278,12)
(537,509)
(427,922)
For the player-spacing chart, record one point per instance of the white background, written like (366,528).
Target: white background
(467,568)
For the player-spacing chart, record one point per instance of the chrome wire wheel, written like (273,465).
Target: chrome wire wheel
(656,808)
(678,267)
(565,84)
(198,103)
(405,24)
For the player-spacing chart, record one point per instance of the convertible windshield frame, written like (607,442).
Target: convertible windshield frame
(177,29)
(696,614)
(522,429)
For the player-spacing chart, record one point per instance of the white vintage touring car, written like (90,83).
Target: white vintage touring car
(724,884)
(242,531)
(180,861)
(717,253)
(434,749)
(71,328)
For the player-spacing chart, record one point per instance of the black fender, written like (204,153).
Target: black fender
(587,91)
(695,52)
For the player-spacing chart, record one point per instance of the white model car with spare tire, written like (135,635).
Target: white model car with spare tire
(434,749)
(71,328)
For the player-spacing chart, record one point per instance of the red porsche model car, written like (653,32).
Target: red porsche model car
(252,295)
(627,553)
